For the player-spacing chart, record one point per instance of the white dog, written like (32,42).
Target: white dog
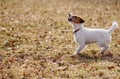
(85,36)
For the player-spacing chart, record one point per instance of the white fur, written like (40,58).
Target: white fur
(86,36)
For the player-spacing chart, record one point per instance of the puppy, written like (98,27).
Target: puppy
(85,36)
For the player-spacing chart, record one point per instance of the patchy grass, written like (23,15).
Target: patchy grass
(36,41)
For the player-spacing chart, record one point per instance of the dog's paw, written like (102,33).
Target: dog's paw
(73,56)
(76,55)
(102,53)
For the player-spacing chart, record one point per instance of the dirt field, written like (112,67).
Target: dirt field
(36,40)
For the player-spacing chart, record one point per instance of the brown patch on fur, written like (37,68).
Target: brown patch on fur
(77,19)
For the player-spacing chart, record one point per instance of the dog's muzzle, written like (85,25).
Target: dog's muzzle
(69,19)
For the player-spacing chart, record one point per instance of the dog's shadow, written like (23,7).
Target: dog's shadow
(109,57)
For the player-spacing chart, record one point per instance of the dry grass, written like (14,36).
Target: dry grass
(36,41)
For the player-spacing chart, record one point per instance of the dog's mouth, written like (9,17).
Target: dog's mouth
(69,19)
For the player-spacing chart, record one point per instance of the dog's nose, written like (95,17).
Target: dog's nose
(69,14)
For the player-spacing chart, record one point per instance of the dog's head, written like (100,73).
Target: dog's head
(75,19)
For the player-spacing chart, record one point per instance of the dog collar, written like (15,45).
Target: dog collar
(77,30)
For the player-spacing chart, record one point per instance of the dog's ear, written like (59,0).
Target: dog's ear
(81,20)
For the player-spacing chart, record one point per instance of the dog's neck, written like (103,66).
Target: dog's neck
(77,26)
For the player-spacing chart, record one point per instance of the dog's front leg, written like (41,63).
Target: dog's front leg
(80,47)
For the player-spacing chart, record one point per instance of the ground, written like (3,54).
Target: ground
(36,40)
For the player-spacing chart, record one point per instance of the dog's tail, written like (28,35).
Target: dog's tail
(113,27)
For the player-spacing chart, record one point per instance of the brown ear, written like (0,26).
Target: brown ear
(81,20)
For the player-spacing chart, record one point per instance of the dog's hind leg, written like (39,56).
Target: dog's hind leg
(104,49)
(104,45)
(80,48)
